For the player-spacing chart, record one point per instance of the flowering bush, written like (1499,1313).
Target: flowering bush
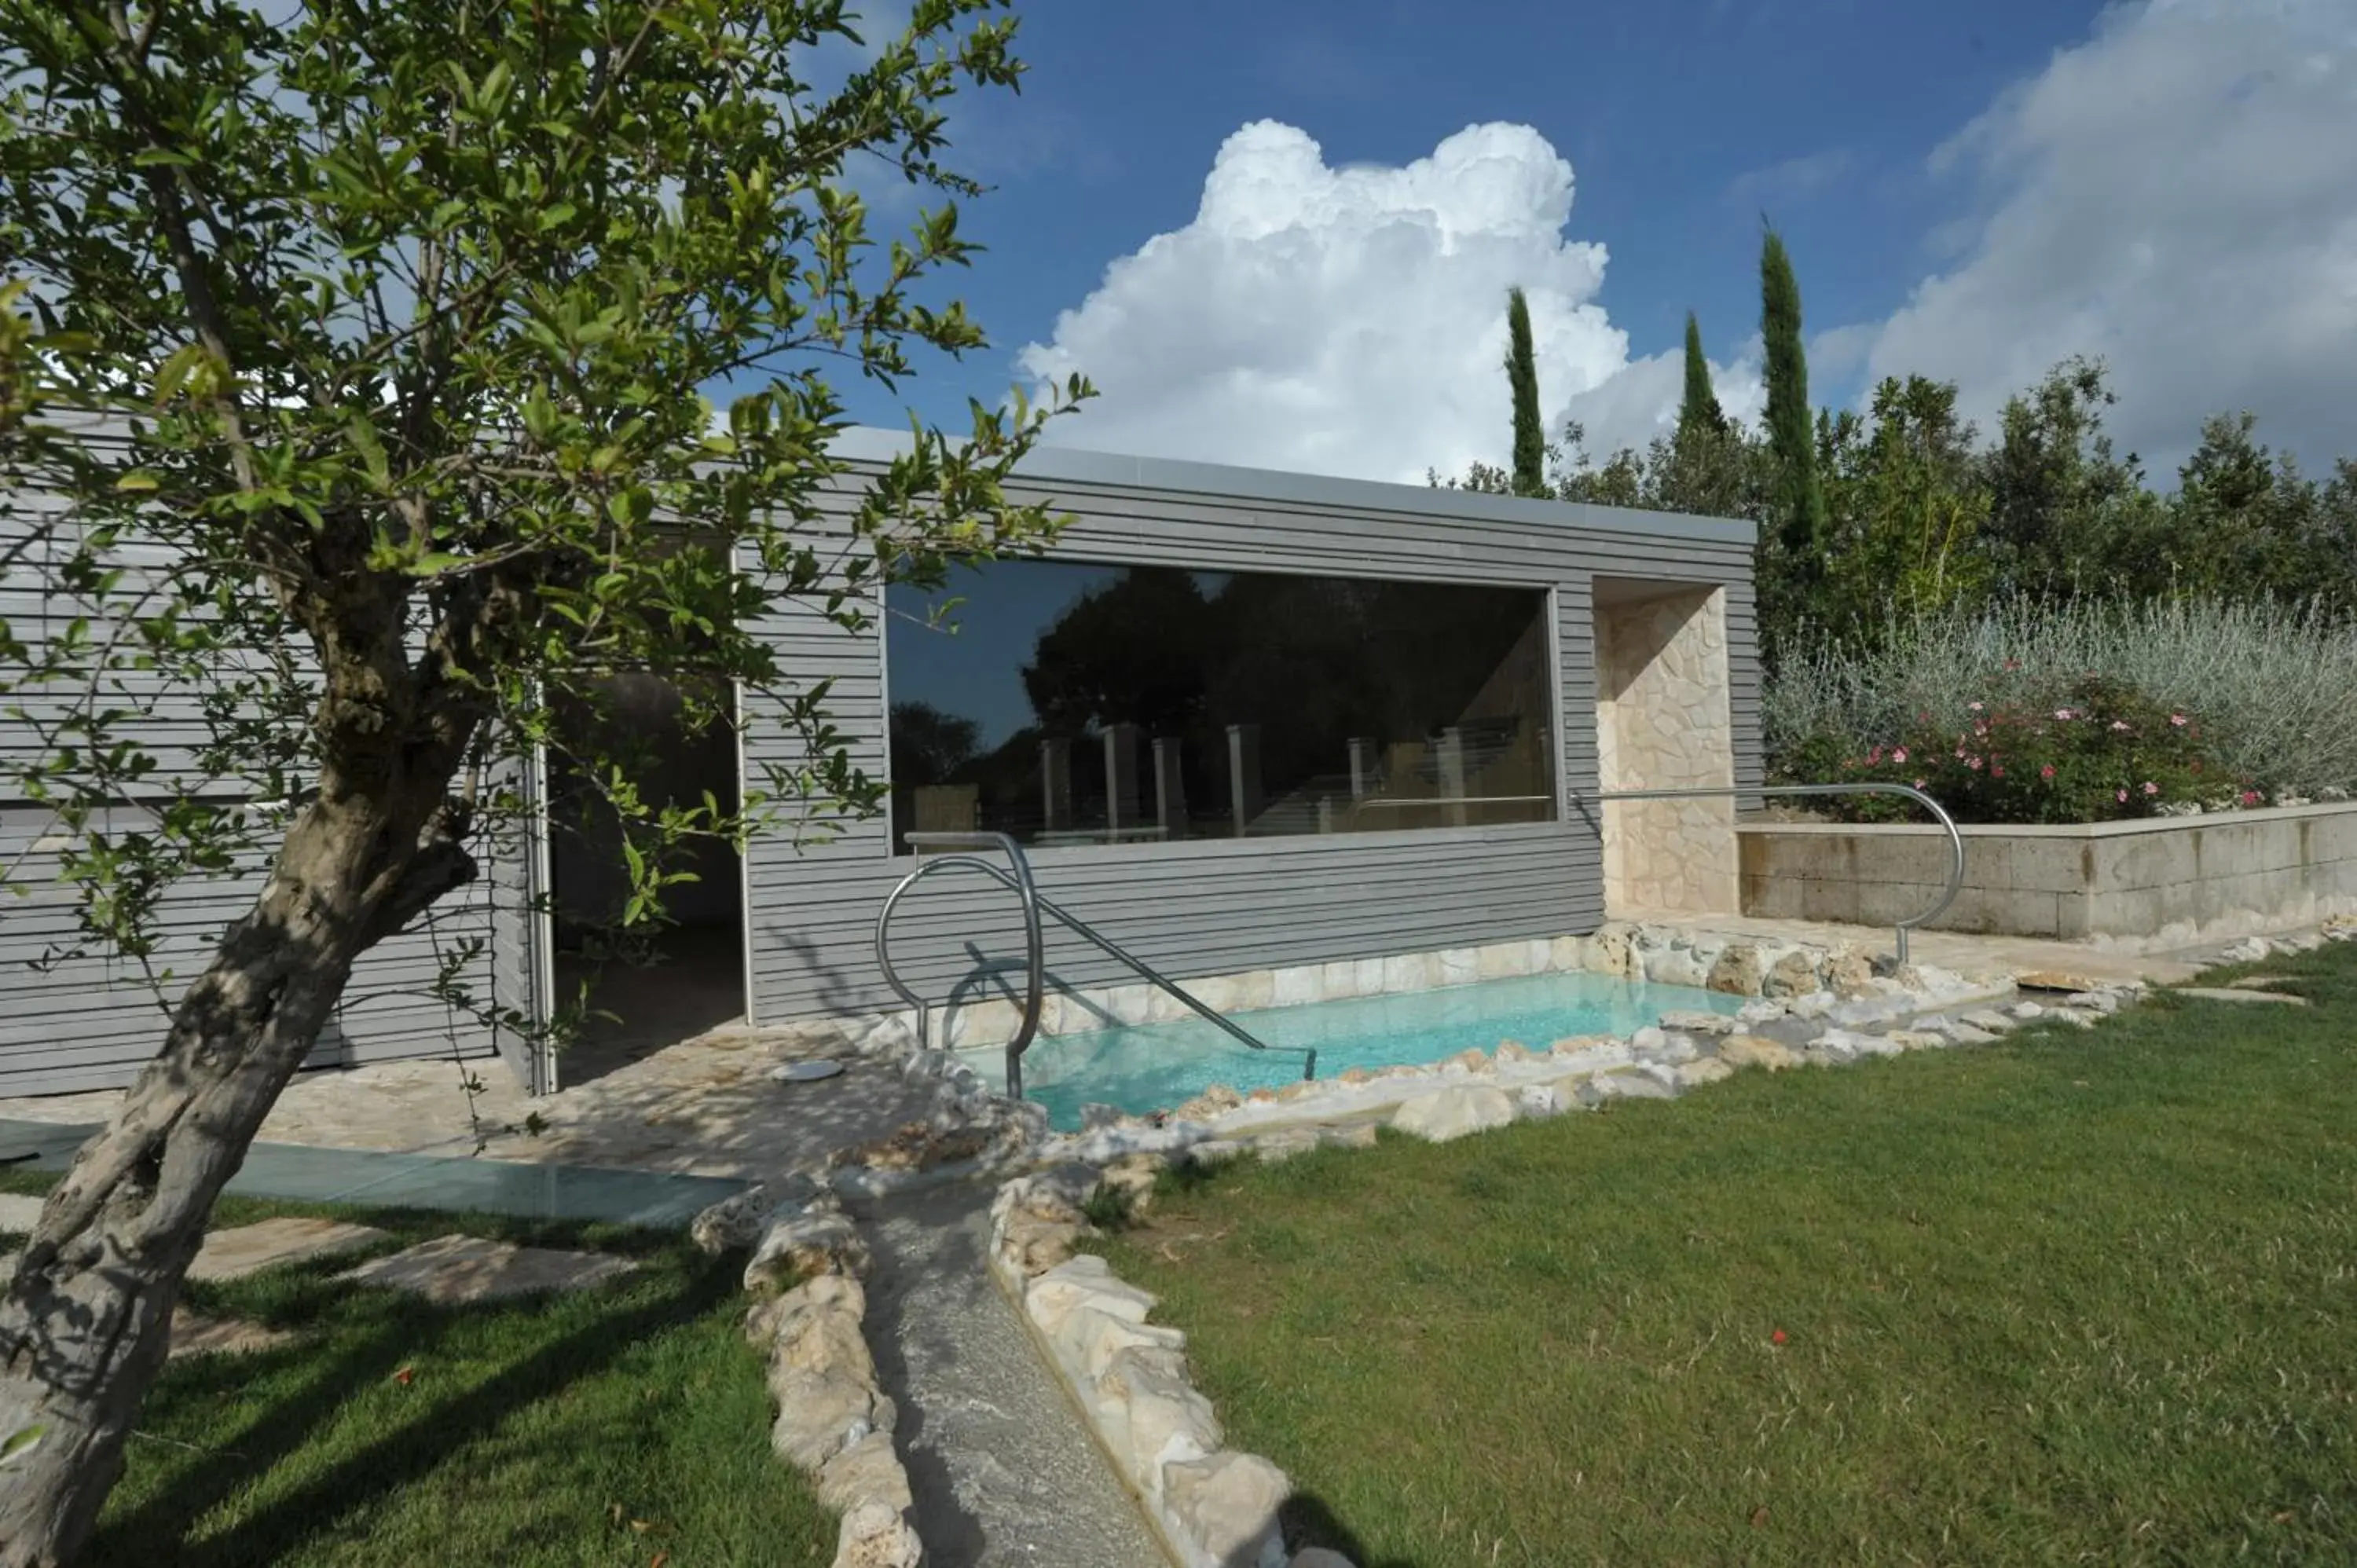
(2102,752)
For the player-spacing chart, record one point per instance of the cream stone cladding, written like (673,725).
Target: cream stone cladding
(1664,722)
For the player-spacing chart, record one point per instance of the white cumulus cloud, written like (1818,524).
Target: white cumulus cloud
(2177,195)
(1353,320)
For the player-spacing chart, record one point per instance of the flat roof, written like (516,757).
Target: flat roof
(1079,466)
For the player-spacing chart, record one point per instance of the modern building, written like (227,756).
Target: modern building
(1240,720)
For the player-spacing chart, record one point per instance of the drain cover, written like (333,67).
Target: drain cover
(806,1072)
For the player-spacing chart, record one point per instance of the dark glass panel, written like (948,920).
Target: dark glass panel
(1075,703)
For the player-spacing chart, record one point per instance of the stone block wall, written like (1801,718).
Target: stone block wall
(1664,722)
(2190,876)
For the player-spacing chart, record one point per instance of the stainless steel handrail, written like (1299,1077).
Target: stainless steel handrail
(1035,904)
(1956,840)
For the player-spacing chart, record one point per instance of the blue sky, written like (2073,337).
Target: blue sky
(1971,189)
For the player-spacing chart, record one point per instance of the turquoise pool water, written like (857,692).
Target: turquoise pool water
(1151,1067)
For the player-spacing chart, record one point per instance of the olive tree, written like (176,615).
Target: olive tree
(397,332)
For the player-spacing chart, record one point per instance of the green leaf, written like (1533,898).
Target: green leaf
(138,480)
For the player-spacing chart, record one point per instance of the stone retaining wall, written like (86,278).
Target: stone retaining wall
(2173,878)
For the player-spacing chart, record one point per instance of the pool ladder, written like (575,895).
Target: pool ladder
(1035,903)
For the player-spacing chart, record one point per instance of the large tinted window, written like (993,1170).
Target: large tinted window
(1094,705)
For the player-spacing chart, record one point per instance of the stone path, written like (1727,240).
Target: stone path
(704,1106)
(1002,1469)
(249,1249)
(451,1271)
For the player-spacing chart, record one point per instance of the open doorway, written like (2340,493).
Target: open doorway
(691,977)
(1664,721)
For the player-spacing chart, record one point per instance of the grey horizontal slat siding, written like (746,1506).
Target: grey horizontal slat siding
(92,1023)
(1213,906)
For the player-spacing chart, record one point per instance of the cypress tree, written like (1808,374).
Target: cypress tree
(1700,410)
(1799,498)
(1523,375)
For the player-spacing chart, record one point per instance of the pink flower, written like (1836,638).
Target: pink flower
(1974,763)
(2123,797)
(1874,757)
(2047,771)
(1919,783)
(1899,754)
(2250,797)
(2061,712)
(2119,725)
(1976,707)
(1996,769)
(2176,721)
(2150,788)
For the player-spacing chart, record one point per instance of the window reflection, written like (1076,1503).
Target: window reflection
(1091,704)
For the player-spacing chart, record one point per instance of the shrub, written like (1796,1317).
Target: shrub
(2270,694)
(2105,753)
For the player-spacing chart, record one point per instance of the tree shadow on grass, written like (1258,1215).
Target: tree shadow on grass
(1308,1521)
(403,1456)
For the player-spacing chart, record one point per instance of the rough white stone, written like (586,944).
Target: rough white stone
(1539,1101)
(821,1375)
(1224,1509)
(1150,1416)
(1814,1004)
(817,1238)
(1668,1050)
(1090,1339)
(1084,1281)
(1452,1113)
(874,1535)
(1706,1069)
(1629,1084)
(1751,1050)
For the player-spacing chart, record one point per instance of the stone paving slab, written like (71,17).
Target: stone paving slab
(455,1270)
(249,1249)
(2224,993)
(196,1336)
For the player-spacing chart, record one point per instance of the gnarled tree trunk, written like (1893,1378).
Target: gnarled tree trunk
(85,1324)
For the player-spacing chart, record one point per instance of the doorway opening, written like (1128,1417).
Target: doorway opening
(648,993)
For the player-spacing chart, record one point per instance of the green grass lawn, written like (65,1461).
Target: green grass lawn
(604,1426)
(2082,1297)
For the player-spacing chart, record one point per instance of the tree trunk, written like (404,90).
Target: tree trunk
(85,1325)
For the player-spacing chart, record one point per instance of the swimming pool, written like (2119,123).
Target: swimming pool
(1152,1067)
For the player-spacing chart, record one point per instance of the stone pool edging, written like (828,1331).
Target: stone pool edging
(1666,955)
(1212,1506)
(1807,996)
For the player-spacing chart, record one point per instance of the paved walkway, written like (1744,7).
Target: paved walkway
(415,1181)
(704,1106)
(1002,1470)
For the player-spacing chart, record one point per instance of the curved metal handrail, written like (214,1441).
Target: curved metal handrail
(1035,947)
(1035,903)
(1956,840)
